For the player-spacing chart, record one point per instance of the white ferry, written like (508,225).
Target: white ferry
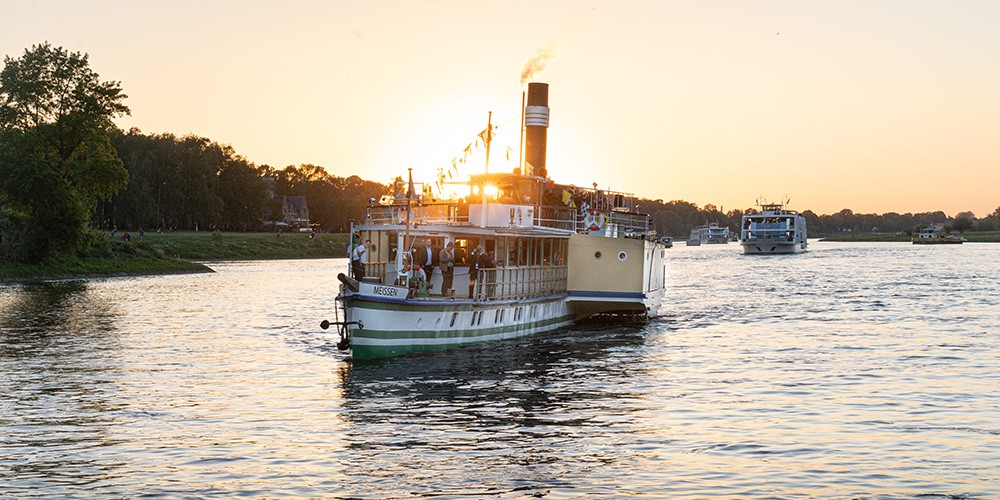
(773,231)
(711,234)
(530,256)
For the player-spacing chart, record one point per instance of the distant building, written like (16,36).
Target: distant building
(295,211)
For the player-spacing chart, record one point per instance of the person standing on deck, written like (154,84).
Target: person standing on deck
(427,258)
(473,259)
(487,272)
(447,262)
(360,258)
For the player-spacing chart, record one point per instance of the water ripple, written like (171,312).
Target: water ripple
(840,373)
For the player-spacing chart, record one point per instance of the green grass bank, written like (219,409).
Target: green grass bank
(173,253)
(246,246)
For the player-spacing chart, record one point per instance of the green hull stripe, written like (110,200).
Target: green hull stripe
(362,352)
(470,335)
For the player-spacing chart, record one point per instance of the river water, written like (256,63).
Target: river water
(851,371)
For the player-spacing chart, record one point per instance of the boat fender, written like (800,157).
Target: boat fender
(350,283)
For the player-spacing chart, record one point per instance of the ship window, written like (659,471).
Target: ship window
(474,313)
(454,316)
(480,318)
(496,319)
(597,255)
(622,256)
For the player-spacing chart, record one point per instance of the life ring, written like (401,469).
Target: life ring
(400,215)
(594,220)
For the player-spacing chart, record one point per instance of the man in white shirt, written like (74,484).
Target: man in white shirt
(360,258)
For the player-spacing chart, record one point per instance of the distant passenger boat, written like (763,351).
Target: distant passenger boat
(711,234)
(717,234)
(695,238)
(774,230)
(930,236)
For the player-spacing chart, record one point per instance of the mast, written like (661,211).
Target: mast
(488,139)
(409,217)
(489,126)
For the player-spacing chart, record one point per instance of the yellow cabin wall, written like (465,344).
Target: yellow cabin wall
(606,273)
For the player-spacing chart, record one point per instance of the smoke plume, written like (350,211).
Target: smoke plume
(536,64)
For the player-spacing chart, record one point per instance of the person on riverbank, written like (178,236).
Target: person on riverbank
(446,260)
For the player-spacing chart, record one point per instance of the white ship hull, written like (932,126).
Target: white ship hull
(768,247)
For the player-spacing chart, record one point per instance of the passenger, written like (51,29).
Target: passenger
(360,258)
(487,270)
(474,269)
(447,262)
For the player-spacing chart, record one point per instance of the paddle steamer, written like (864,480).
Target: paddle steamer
(529,255)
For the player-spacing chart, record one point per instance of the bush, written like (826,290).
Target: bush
(12,224)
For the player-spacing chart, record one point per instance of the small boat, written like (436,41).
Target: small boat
(774,230)
(930,236)
(523,255)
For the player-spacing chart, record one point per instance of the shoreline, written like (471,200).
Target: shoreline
(155,254)
(971,237)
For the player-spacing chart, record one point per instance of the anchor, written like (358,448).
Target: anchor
(345,339)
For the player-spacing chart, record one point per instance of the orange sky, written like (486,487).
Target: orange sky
(874,106)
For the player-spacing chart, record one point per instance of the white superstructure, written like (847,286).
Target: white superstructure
(773,231)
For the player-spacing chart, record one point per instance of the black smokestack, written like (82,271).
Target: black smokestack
(536,123)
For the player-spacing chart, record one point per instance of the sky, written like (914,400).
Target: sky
(875,106)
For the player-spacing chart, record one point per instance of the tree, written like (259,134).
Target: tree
(962,224)
(56,161)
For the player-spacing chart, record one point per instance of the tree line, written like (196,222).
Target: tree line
(677,218)
(193,183)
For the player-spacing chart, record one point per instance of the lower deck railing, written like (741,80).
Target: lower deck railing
(507,283)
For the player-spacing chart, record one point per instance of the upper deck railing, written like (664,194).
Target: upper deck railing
(617,223)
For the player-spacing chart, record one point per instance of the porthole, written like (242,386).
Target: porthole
(622,255)
(597,255)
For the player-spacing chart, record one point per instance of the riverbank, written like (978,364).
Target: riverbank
(176,252)
(977,237)
(217,245)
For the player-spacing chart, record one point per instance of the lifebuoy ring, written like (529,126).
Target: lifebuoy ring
(401,215)
(594,220)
